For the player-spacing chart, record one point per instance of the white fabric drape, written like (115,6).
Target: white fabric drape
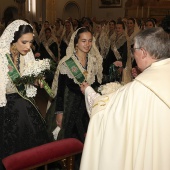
(131,132)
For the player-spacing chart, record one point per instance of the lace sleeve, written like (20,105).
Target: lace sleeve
(90,96)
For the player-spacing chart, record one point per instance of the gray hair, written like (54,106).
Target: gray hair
(155,41)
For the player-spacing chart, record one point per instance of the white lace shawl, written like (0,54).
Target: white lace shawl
(5,41)
(42,33)
(117,43)
(136,30)
(67,38)
(103,42)
(58,33)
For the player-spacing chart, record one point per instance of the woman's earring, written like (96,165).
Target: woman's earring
(14,50)
(76,48)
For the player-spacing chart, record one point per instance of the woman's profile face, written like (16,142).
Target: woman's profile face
(84,42)
(24,43)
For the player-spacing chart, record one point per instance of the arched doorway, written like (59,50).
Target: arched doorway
(71,9)
(9,15)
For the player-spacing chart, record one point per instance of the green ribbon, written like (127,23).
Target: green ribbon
(75,70)
(14,74)
(47,88)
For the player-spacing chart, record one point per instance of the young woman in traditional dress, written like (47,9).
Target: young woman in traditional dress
(82,62)
(21,124)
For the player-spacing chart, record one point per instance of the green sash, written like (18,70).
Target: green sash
(14,74)
(79,76)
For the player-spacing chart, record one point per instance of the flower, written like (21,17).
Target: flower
(33,71)
(36,67)
(31,91)
(109,88)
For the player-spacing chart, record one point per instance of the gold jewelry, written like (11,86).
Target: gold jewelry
(102,102)
(76,48)
(85,73)
(14,50)
(15,55)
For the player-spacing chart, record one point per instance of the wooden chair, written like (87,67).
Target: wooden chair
(61,150)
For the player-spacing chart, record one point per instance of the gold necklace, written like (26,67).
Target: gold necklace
(16,60)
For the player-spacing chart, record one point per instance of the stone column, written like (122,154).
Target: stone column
(21,9)
(88,8)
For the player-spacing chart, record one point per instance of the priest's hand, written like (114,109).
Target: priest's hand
(83,87)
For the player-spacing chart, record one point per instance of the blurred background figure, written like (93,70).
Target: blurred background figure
(65,37)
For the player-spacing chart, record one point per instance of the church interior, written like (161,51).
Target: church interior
(100,11)
(52,12)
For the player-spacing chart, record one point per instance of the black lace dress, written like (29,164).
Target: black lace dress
(71,101)
(21,124)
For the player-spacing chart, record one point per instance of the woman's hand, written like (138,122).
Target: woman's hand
(118,63)
(135,72)
(83,87)
(59,118)
(38,82)
(37,55)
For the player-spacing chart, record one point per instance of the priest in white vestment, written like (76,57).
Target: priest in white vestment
(129,129)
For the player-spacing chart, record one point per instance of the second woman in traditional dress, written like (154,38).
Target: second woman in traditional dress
(83,62)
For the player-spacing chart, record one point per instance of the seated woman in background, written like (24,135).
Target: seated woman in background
(111,28)
(118,58)
(132,30)
(150,23)
(65,37)
(102,41)
(58,29)
(83,62)
(42,31)
(49,48)
(36,42)
(87,22)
